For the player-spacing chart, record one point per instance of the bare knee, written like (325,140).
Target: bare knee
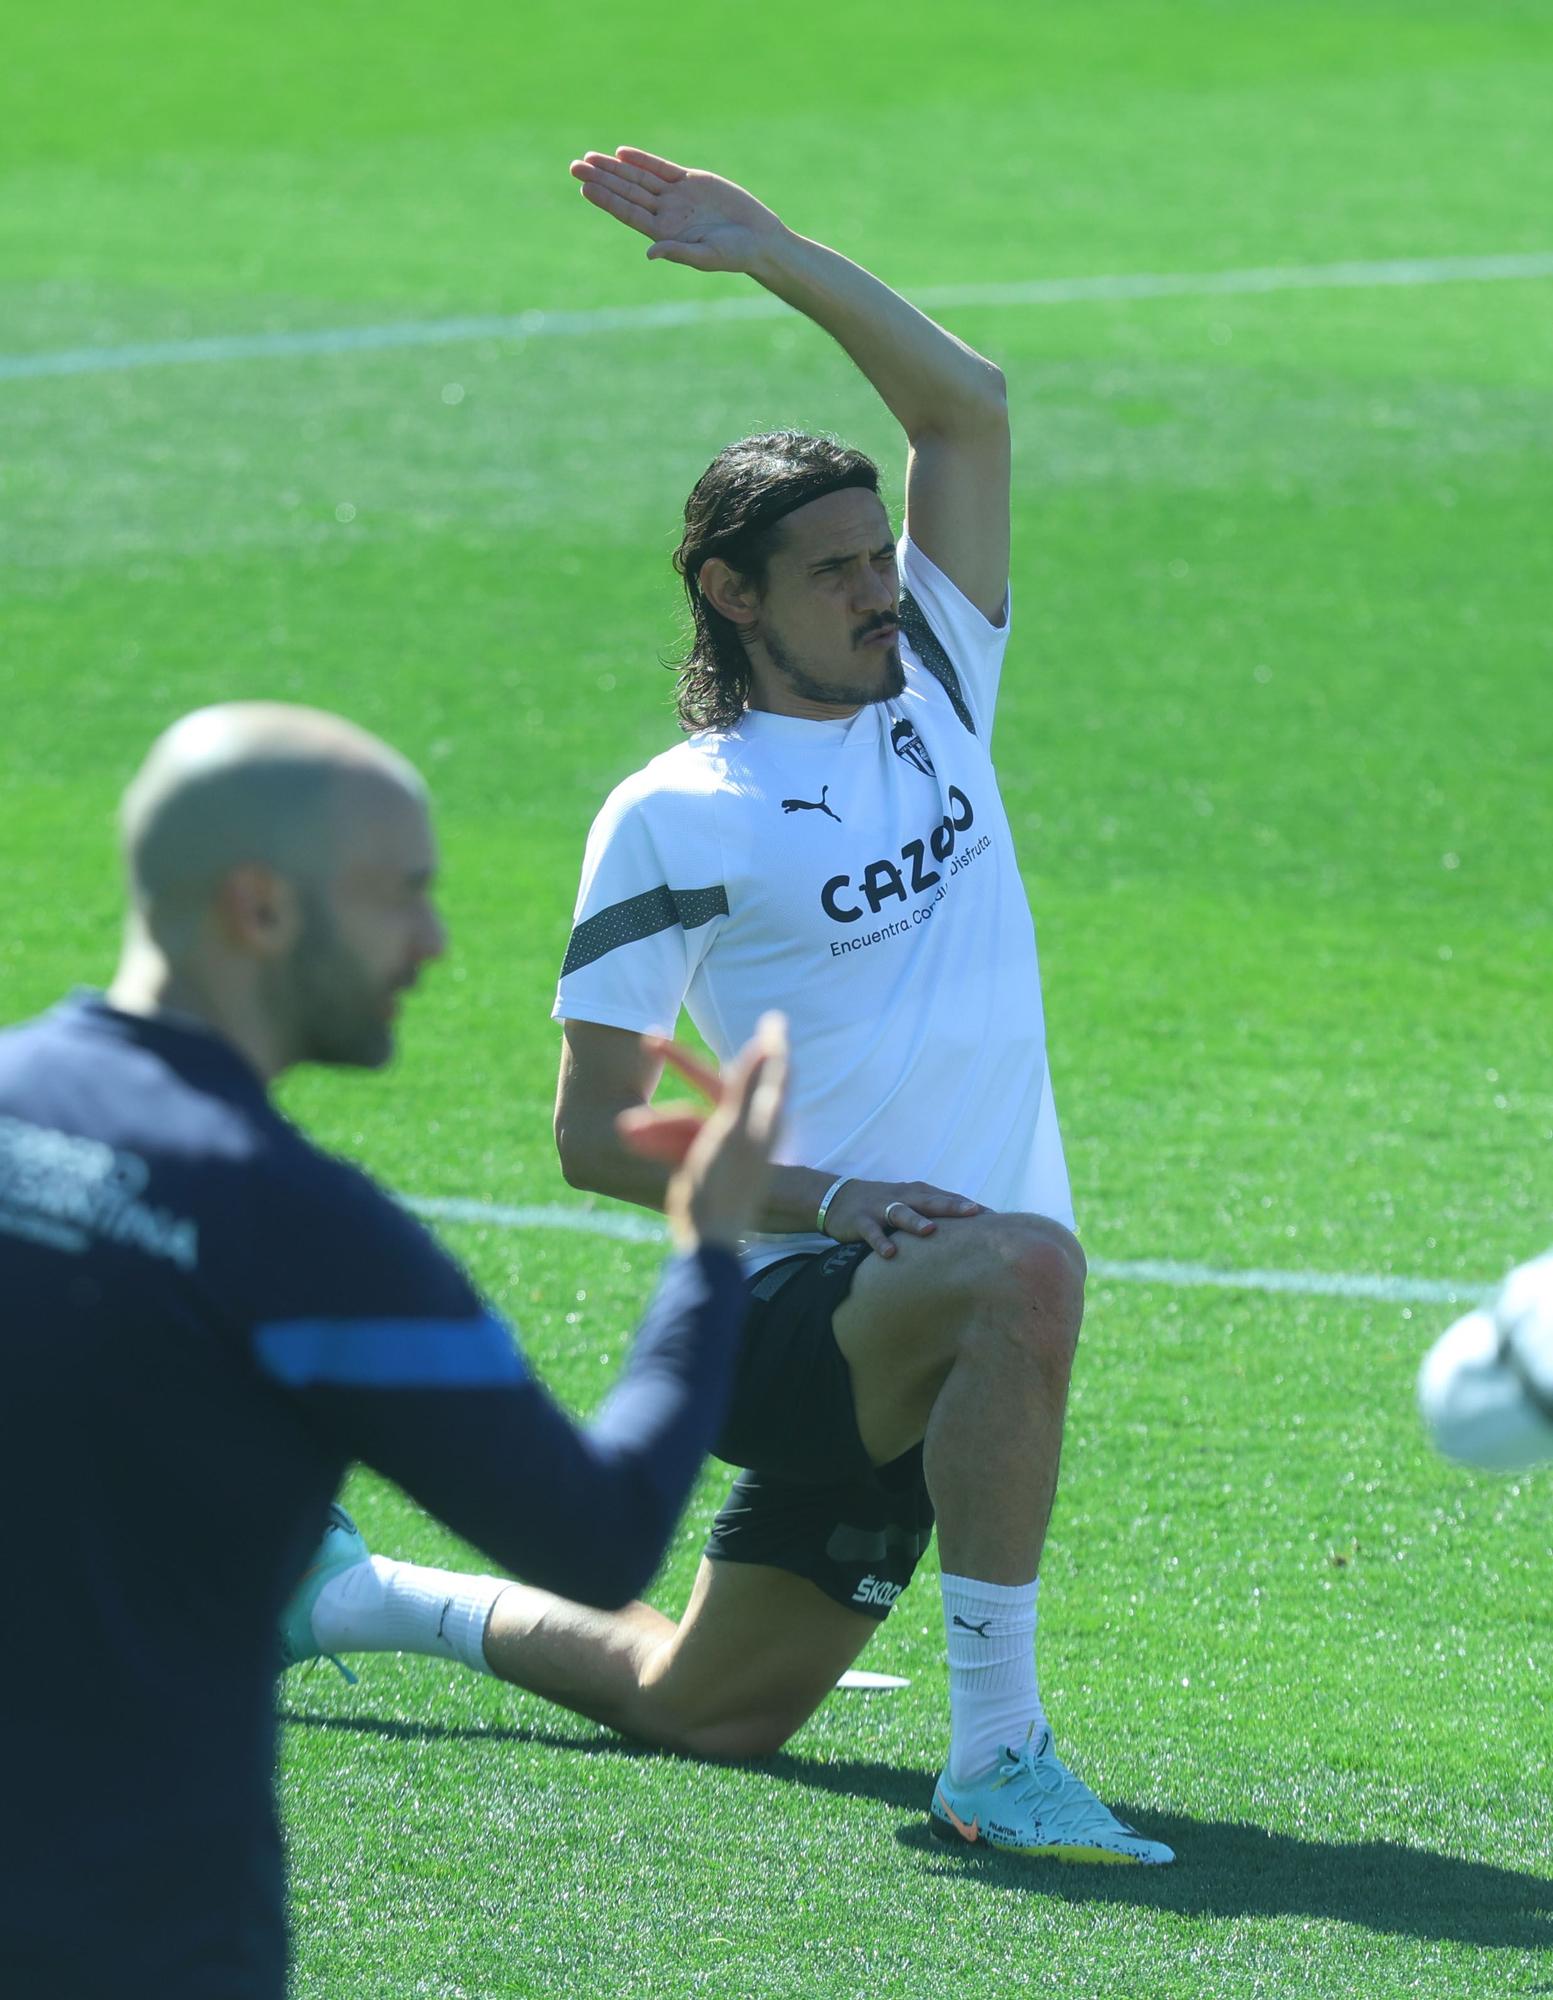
(727,1725)
(727,1731)
(1006,1290)
(1045,1261)
(740,1739)
(1030,1275)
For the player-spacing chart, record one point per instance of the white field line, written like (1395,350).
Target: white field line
(539,325)
(1149,1271)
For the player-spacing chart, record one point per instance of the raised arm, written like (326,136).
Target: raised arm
(948,399)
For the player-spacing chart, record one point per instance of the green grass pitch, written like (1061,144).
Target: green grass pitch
(1276,740)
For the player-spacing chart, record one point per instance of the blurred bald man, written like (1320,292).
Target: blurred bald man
(206,1319)
(280,868)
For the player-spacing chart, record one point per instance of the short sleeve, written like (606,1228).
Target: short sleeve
(972,647)
(651,899)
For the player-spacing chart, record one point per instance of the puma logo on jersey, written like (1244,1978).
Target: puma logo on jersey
(812,805)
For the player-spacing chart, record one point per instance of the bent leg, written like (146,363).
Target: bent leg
(965,1340)
(754,1655)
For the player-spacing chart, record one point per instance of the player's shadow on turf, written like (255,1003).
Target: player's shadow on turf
(1224,1868)
(463,1732)
(1229,1868)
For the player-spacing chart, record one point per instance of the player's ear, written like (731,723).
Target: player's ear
(728,591)
(257,912)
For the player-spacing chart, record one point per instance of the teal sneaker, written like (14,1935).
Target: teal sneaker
(341,1548)
(1031,1804)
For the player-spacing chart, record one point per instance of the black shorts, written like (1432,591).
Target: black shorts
(809,1500)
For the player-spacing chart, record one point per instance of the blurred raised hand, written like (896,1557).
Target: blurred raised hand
(721,1158)
(691,217)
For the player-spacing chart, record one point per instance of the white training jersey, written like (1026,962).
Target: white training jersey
(860,877)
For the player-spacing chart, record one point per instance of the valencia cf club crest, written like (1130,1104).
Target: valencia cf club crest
(906,743)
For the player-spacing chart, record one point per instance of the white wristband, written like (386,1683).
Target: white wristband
(826,1199)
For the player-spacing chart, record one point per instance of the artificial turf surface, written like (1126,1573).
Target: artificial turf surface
(1276,742)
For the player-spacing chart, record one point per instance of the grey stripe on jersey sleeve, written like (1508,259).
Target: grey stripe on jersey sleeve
(928,647)
(642,917)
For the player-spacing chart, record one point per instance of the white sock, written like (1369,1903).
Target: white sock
(383,1606)
(993,1696)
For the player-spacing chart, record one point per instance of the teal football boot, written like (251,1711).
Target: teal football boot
(341,1548)
(1031,1804)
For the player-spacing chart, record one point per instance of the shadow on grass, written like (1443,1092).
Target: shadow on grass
(1229,1868)
(462,1732)
(1224,1868)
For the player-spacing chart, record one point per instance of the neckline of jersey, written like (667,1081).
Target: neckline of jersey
(195,1047)
(810,728)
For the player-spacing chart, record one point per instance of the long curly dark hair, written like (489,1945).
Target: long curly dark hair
(735,511)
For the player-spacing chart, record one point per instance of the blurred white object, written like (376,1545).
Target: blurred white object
(1486,1386)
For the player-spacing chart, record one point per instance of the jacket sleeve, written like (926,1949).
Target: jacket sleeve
(408,1370)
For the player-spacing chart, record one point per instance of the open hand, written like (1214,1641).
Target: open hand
(721,1159)
(872,1212)
(692,217)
